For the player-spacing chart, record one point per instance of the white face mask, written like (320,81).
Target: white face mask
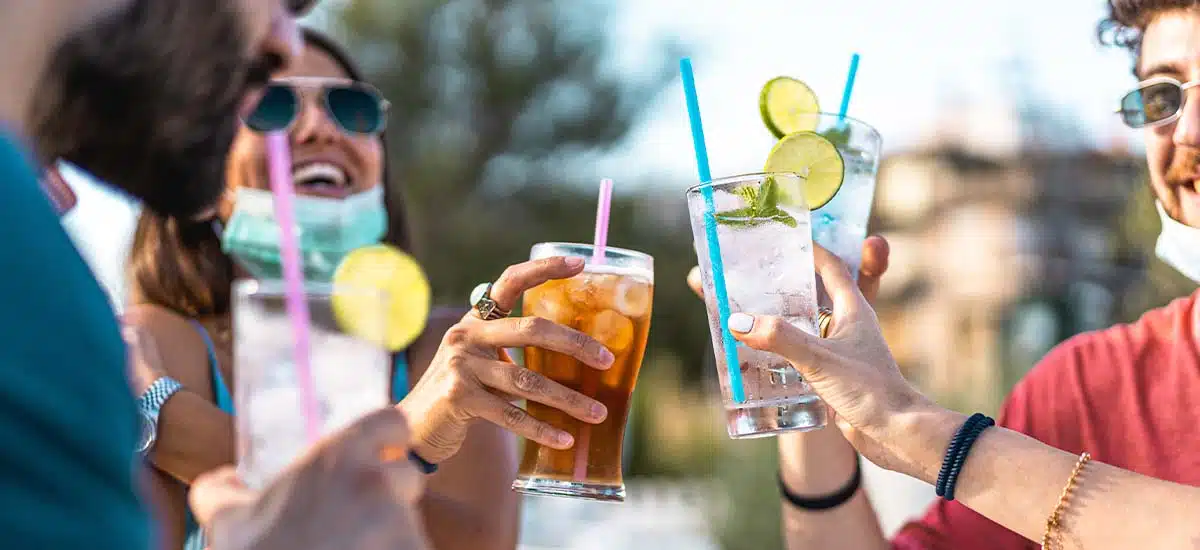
(1178,245)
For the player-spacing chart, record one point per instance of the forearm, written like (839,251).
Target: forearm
(820,463)
(1016,481)
(194,436)
(469,504)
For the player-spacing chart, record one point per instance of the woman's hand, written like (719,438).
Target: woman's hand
(852,369)
(469,378)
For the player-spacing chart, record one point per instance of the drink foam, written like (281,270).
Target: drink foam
(621,270)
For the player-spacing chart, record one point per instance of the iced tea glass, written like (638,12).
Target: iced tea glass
(610,301)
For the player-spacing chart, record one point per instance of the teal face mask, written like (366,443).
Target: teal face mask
(326,229)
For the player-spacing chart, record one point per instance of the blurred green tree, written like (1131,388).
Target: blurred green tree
(1138,234)
(491,96)
(496,105)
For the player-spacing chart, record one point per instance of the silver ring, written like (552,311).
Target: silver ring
(483,304)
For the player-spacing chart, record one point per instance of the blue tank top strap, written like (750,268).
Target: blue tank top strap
(220,389)
(195,535)
(400,377)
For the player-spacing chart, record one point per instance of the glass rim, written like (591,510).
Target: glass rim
(312,289)
(737,178)
(848,118)
(620,251)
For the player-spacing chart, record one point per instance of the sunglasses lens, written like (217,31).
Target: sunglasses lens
(1153,103)
(300,7)
(274,111)
(356,110)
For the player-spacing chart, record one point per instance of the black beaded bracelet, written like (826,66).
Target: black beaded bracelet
(825,502)
(948,461)
(961,459)
(425,466)
(956,453)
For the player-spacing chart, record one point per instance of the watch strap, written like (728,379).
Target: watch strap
(152,400)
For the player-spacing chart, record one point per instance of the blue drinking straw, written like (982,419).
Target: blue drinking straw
(849,88)
(710,232)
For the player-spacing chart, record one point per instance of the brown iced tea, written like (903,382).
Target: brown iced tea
(611,304)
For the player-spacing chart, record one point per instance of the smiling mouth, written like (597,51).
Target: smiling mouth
(321,179)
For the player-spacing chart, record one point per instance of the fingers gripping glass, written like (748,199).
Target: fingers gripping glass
(355,107)
(1155,102)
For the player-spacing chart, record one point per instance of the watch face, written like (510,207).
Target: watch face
(146,438)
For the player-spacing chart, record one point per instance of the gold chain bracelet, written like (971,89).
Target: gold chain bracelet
(1055,519)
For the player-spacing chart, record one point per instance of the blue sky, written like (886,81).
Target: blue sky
(916,57)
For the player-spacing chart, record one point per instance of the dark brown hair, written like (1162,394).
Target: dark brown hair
(1128,19)
(179,264)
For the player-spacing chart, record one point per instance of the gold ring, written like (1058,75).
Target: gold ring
(483,304)
(824,316)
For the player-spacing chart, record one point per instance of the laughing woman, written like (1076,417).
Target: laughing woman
(181,279)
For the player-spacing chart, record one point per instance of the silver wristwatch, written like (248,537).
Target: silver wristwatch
(149,406)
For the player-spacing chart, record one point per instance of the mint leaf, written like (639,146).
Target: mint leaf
(838,135)
(768,197)
(784,218)
(762,206)
(740,217)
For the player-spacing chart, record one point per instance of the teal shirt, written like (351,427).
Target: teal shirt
(68,419)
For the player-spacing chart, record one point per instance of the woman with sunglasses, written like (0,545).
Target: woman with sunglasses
(181,275)
(1049,496)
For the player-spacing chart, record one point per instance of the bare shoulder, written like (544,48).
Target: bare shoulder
(184,353)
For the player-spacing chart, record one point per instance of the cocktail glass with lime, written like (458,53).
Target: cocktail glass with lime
(377,304)
(837,155)
(760,223)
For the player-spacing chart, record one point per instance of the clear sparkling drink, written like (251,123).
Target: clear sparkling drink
(767,262)
(841,224)
(350,375)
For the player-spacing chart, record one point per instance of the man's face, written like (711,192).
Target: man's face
(1171,47)
(147,96)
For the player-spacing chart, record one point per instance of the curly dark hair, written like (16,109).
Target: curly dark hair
(1127,20)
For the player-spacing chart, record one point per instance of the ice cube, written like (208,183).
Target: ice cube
(632,297)
(550,301)
(557,310)
(612,329)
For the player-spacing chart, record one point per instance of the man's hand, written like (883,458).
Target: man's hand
(355,491)
(870,273)
(874,265)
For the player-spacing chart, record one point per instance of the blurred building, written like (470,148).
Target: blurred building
(1004,242)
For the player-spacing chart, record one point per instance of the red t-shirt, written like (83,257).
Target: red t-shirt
(1129,395)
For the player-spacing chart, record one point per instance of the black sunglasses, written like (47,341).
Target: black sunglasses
(357,108)
(1154,102)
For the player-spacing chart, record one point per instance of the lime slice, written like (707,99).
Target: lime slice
(388,269)
(787,106)
(813,157)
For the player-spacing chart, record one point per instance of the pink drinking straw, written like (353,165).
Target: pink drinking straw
(279,163)
(603,208)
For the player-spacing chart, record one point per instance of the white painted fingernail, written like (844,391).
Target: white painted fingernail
(740,322)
